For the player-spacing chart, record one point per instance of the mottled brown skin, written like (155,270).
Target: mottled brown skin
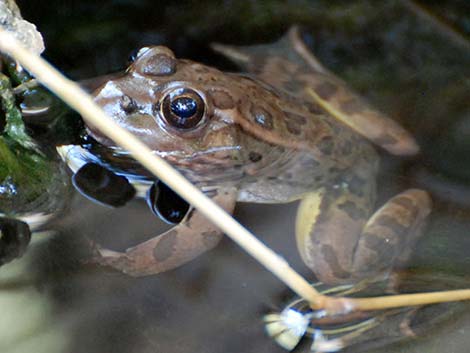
(292,131)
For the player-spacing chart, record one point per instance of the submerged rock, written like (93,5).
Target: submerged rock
(24,31)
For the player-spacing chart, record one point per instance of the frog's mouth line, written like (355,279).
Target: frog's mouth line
(122,163)
(195,155)
(122,153)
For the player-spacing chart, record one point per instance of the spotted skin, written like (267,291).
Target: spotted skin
(289,130)
(187,240)
(221,100)
(369,247)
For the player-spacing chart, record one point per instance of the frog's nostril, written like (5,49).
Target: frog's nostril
(128,104)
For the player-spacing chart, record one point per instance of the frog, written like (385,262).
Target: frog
(283,129)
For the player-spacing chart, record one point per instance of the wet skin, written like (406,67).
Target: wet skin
(290,130)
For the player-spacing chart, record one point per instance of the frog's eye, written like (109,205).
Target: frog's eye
(183,108)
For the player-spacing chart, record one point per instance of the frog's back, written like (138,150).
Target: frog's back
(298,146)
(304,163)
(279,118)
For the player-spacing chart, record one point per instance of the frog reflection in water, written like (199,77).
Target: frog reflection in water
(288,131)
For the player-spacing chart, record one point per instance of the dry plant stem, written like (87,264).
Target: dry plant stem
(72,94)
(395,301)
(343,304)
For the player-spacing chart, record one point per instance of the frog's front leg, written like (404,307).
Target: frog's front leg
(340,245)
(177,246)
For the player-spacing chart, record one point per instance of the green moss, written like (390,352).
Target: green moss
(27,175)
(14,127)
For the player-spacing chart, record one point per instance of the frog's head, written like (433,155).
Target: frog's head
(187,112)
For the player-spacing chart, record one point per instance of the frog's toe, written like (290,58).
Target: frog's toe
(110,258)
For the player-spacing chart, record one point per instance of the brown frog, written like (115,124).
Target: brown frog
(289,131)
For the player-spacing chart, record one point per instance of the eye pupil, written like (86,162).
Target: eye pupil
(184,107)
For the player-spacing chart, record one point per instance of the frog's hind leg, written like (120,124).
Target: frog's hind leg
(340,245)
(179,245)
(291,67)
(334,95)
(390,234)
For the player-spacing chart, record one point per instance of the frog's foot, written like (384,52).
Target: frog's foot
(177,246)
(340,246)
